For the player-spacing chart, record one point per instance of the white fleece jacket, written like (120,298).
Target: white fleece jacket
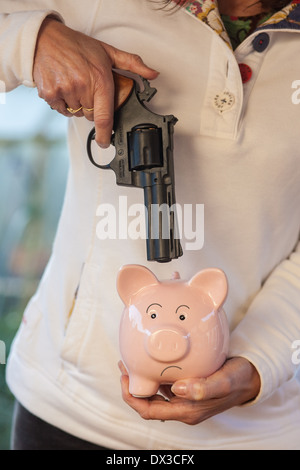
(242,164)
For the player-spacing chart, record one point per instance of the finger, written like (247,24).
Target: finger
(104,110)
(148,408)
(125,388)
(60,107)
(87,102)
(73,105)
(130,62)
(60,101)
(88,113)
(122,368)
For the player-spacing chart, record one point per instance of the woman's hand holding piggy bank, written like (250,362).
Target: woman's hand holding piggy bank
(176,331)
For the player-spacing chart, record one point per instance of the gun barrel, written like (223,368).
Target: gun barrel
(163,242)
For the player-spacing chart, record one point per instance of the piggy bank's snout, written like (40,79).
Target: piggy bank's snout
(167,345)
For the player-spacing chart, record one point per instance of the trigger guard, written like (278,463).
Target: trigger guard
(90,139)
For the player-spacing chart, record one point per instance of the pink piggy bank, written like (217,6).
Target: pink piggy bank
(173,329)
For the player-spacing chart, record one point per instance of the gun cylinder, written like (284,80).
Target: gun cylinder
(145,147)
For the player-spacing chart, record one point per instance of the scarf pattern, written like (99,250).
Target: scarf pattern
(207,11)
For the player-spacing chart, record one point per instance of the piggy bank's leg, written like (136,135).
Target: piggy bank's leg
(141,387)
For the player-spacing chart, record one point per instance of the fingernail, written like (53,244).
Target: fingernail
(179,388)
(104,146)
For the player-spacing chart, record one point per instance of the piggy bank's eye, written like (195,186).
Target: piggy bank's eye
(152,310)
(182,312)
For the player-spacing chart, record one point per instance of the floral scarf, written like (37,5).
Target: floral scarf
(207,11)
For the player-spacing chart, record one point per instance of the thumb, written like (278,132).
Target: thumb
(215,386)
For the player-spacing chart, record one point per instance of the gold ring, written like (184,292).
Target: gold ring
(89,110)
(74,111)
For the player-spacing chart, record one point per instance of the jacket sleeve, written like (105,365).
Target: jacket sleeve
(18,36)
(268,332)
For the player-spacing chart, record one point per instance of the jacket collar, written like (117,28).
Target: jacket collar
(207,11)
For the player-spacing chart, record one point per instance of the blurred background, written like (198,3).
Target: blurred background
(33,171)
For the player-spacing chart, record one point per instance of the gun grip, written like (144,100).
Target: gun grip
(123,88)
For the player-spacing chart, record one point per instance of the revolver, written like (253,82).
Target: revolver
(144,158)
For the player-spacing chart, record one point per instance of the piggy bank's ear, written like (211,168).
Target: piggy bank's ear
(212,282)
(131,279)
